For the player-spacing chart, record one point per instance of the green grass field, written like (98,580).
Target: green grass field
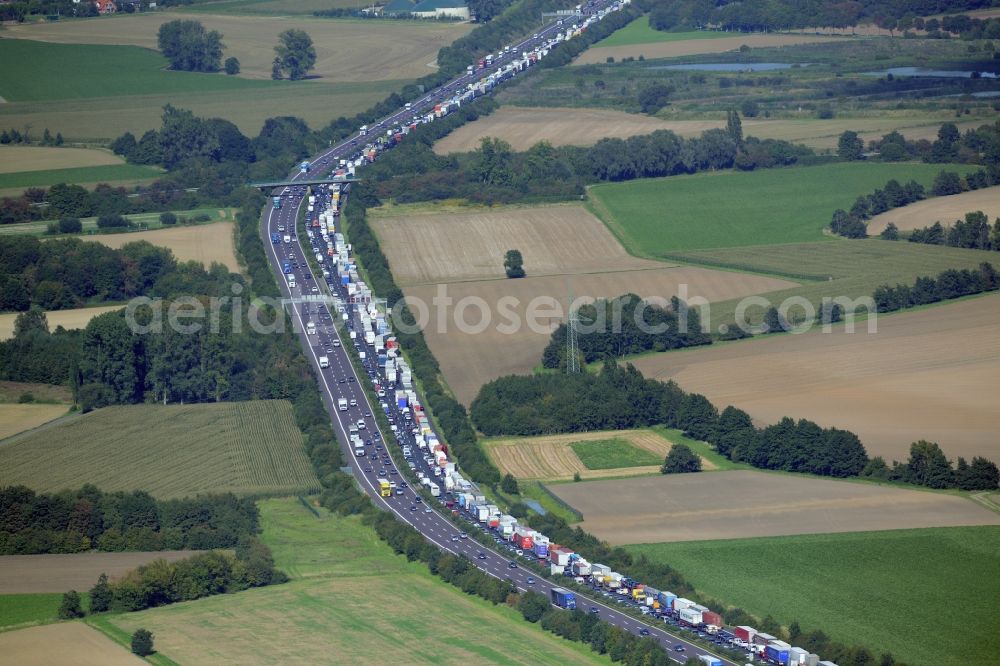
(94,174)
(613,454)
(351,599)
(639,32)
(927,595)
(20,610)
(703,449)
(831,269)
(94,106)
(653,217)
(170,451)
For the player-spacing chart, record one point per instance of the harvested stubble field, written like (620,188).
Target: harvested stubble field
(205,243)
(512,343)
(894,582)
(554,240)
(743,504)
(64,643)
(939,209)
(170,451)
(48,393)
(928,374)
(34,574)
(41,158)
(354,51)
(552,458)
(523,127)
(686,47)
(68,319)
(335,609)
(18,418)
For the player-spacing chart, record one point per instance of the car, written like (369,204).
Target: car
(455,538)
(644,632)
(354,403)
(402,484)
(679,648)
(413,507)
(464,535)
(531,580)
(368,470)
(368,414)
(419,500)
(399,491)
(519,551)
(381,472)
(481,555)
(341,380)
(512,564)
(393,472)
(427,509)
(593,610)
(350,379)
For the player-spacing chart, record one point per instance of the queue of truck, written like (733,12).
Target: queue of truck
(393,382)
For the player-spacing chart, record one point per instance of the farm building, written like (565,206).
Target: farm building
(428,8)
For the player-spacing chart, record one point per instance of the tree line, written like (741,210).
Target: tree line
(626,325)
(973,233)
(74,521)
(70,272)
(160,582)
(949,284)
(928,466)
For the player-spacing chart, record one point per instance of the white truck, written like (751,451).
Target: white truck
(342,404)
(324,361)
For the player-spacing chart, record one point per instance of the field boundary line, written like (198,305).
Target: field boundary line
(745,268)
(560,501)
(983,499)
(68,416)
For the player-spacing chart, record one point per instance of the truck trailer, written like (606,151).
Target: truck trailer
(563,598)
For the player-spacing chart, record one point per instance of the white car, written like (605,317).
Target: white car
(361,424)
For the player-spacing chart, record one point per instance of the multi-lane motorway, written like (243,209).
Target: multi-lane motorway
(341,380)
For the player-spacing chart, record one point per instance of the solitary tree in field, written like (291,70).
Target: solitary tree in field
(850,146)
(70,607)
(295,54)
(189,47)
(681,459)
(232,66)
(513,263)
(142,642)
(509,485)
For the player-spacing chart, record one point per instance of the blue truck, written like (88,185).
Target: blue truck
(288,268)
(709,660)
(563,598)
(276,201)
(275,238)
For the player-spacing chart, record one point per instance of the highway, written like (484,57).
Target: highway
(341,380)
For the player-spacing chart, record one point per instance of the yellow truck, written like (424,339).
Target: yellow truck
(384,488)
(638,593)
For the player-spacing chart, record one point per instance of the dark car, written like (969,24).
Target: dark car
(593,610)
(679,648)
(512,564)
(644,632)
(481,555)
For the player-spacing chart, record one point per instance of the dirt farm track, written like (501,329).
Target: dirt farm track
(929,374)
(742,504)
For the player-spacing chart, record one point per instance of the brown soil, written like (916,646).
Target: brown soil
(31,574)
(742,504)
(64,643)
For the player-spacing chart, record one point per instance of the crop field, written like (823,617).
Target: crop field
(272,7)
(694,46)
(64,643)
(639,32)
(356,51)
(554,240)
(523,127)
(18,418)
(11,392)
(205,243)
(170,451)
(882,589)
(750,503)
(771,206)
(335,608)
(939,209)
(94,105)
(68,319)
(927,374)
(41,158)
(506,340)
(25,610)
(589,454)
(89,175)
(50,574)
(144,221)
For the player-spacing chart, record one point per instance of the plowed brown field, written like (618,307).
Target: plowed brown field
(939,209)
(458,247)
(929,374)
(551,458)
(741,504)
(470,359)
(31,574)
(204,242)
(65,643)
